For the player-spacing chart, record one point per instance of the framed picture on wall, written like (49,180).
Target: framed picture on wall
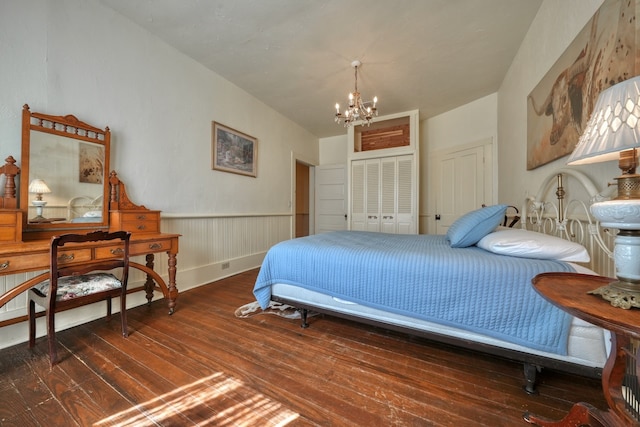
(601,55)
(234,151)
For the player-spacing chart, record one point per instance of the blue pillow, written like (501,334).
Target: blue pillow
(473,226)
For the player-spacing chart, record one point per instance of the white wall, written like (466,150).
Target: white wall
(334,149)
(554,28)
(474,121)
(79,57)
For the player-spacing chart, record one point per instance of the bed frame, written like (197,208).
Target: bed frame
(78,206)
(564,217)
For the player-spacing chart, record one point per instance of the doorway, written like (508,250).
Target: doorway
(302,198)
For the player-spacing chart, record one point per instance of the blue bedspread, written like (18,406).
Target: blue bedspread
(423,277)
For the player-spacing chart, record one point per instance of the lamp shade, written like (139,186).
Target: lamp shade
(38,186)
(614,125)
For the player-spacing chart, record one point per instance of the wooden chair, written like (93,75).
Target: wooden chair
(79,284)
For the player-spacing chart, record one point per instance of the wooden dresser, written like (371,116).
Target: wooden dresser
(18,256)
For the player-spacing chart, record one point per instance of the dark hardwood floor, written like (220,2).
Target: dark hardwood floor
(203,366)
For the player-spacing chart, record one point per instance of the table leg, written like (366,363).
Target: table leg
(173,290)
(581,414)
(149,285)
(584,414)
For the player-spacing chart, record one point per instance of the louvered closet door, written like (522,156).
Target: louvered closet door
(372,176)
(388,185)
(383,195)
(406,196)
(358,207)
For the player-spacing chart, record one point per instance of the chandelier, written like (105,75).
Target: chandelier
(358,109)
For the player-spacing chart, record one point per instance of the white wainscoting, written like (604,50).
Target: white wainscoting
(211,247)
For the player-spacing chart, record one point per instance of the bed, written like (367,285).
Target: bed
(470,288)
(84,209)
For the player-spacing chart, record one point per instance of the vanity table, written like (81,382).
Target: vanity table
(22,257)
(72,157)
(569,291)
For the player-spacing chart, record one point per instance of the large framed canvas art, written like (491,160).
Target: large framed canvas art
(603,53)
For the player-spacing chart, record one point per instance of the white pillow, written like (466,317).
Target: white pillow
(92,214)
(530,244)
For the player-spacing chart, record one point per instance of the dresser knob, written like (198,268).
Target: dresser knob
(5,265)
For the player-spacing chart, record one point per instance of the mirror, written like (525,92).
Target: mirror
(64,181)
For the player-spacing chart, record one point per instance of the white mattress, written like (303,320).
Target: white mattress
(588,344)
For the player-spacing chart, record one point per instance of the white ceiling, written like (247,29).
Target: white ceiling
(295,55)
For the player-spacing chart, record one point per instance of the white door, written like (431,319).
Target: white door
(388,188)
(331,198)
(365,195)
(406,206)
(463,183)
(358,187)
(372,178)
(397,189)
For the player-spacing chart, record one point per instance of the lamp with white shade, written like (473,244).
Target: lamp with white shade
(38,187)
(613,132)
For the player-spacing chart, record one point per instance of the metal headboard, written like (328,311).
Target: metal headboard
(569,217)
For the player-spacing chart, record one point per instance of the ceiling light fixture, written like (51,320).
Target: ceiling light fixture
(358,109)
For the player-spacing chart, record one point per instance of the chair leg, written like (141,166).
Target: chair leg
(32,323)
(51,336)
(108,309)
(123,314)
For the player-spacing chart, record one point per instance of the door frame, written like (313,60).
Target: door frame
(300,158)
(490,171)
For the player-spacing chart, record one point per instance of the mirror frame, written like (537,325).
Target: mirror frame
(70,127)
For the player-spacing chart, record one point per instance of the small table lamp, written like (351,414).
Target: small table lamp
(613,132)
(38,187)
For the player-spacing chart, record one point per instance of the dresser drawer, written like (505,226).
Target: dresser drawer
(9,234)
(139,248)
(73,255)
(8,218)
(136,221)
(147,247)
(41,261)
(141,226)
(10,226)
